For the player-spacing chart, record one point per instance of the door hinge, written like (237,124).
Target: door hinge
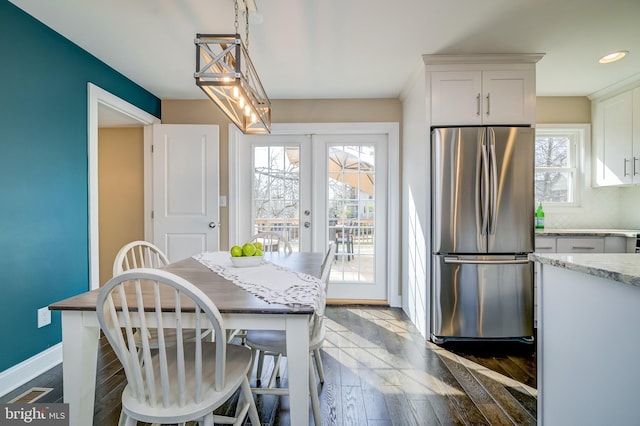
(152,148)
(152,215)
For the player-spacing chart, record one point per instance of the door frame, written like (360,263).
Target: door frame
(97,98)
(390,129)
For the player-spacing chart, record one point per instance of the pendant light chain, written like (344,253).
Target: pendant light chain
(246,24)
(246,21)
(236,19)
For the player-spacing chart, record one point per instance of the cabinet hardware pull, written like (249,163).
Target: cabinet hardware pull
(488,103)
(544,248)
(582,248)
(635,170)
(624,171)
(457,261)
(478,104)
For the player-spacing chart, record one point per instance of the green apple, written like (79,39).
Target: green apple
(236,251)
(248,249)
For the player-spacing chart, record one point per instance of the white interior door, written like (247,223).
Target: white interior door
(185,189)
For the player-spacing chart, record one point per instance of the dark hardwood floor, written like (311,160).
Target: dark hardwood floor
(379,371)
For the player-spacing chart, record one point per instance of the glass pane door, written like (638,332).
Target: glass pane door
(351,204)
(276,191)
(350,190)
(279,202)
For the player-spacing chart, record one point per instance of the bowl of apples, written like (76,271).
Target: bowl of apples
(247,255)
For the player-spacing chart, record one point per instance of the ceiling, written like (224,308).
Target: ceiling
(312,49)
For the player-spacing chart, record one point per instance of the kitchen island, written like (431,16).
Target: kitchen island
(588,340)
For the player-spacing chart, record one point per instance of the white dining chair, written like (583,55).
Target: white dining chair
(273,343)
(143,254)
(139,254)
(184,382)
(272,242)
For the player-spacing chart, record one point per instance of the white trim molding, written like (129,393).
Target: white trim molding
(29,369)
(96,97)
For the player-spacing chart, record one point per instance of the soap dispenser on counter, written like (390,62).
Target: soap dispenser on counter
(539,217)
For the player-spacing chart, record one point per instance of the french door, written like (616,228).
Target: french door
(321,188)
(350,183)
(280,188)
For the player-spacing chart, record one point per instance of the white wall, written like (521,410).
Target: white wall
(630,207)
(415,203)
(606,207)
(599,208)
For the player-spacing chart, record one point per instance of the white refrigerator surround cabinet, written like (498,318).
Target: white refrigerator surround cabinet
(483,97)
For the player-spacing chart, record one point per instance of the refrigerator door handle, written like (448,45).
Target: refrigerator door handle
(482,187)
(493,181)
(457,260)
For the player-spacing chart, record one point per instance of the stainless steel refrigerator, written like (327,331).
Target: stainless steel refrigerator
(482,230)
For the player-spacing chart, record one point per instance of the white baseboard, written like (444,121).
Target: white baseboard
(27,370)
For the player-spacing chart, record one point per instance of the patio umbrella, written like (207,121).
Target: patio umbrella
(345,166)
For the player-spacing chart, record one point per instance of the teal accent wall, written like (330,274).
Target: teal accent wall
(44,238)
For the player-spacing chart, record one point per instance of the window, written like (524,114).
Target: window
(559,163)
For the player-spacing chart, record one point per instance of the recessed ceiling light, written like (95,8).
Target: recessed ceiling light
(612,57)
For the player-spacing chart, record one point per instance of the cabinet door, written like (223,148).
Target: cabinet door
(614,140)
(456,98)
(508,97)
(615,244)
(580,245)
(545,245)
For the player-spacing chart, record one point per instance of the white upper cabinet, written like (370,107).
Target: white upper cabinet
(509,97)
(617,139)
(482,97)
(456,97)
(481,89)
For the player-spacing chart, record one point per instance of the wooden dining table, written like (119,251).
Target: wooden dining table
(239,308)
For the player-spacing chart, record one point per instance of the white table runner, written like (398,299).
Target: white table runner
(270,282)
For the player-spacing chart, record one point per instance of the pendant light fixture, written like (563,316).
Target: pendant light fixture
(225,73)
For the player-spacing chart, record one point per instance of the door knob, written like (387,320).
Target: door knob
(307,224)
(212,225)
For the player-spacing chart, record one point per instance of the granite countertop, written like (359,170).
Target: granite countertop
(621,267)
(569,232)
